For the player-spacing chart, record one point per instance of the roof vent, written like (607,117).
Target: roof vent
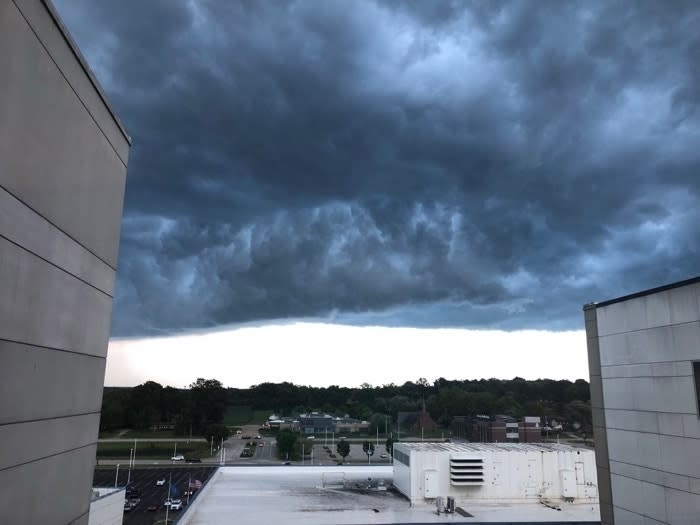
(466,471)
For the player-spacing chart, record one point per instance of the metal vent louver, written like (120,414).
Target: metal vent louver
(467,471)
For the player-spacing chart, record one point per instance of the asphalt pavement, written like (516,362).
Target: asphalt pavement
(144,480)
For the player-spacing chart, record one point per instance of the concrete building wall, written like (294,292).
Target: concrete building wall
(647,430)
(63,157)
(107,507)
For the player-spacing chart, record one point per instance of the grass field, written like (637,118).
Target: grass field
(243,415)
(152,449)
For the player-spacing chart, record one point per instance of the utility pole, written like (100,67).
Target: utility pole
(302,454)
(116,476)
(211,447)
(134,460)
(377,436)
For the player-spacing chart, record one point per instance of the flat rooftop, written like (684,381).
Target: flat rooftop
(339,496)
(486,447)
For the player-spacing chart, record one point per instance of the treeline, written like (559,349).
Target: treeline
(197,410)
(203,404)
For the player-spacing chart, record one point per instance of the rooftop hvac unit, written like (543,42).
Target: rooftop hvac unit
(467,471)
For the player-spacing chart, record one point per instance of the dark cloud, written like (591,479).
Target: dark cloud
(480,164)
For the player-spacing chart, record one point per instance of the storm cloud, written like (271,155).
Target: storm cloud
(479,164)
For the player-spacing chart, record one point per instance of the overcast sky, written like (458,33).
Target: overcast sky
(479,165)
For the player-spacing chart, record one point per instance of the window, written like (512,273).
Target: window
(696,374)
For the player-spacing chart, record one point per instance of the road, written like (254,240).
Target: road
(153,440)
(267,454)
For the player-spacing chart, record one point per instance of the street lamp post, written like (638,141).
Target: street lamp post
(128,477)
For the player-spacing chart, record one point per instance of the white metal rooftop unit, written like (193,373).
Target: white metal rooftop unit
(495,472)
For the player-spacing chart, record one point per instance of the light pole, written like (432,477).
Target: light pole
(128,477)
(167,507)
(116,476)
(211,447)
(302,454)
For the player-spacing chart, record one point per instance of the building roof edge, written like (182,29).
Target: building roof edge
(650,291)
(83,63)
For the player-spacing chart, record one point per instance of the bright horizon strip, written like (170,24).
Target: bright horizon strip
(322,354)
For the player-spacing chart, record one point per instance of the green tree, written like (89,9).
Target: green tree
(286,442)
(343,448)
(208,402)
(218,431)
(389,445)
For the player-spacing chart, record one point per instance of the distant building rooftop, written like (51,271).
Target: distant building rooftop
(338,496)
(485,447)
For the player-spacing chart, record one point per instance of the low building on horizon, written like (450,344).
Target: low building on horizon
(497,429)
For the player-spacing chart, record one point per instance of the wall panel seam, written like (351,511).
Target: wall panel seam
(50,418)
(652,433)
(49,456)
(64,232)
(651,411)
(82,103)
(647,328)
(55,265)
(651,468)
(54,349)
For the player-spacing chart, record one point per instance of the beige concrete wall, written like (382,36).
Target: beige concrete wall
(63,158)
(646,346)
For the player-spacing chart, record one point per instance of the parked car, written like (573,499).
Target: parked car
(258,436)
(261,444)
(131,503)
(160,482)
(178,457)
(193,460)
(176,504)
(152,508)
(383,456)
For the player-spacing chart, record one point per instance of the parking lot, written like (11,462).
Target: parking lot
(144,480)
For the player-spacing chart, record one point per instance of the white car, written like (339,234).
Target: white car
(176,504)
(160,482)
(179,457)
(383,456)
